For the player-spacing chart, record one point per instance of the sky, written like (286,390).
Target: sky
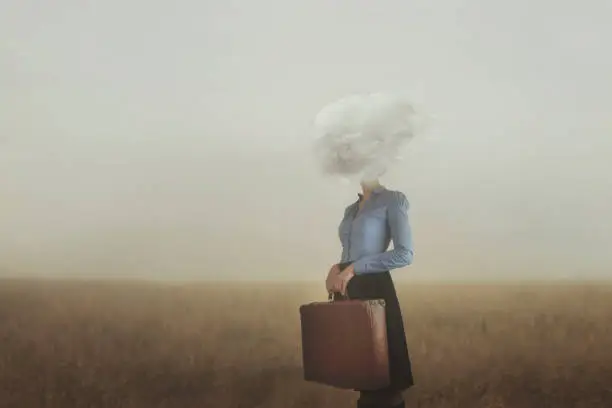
(171,140)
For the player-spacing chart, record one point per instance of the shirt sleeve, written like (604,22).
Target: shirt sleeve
(342,235)
(402,253)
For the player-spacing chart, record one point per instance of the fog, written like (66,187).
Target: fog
(170,140)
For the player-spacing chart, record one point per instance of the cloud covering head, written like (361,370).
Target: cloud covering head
(362,135)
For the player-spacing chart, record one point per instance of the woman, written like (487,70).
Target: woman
(368,226)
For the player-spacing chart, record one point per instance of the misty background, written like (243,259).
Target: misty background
(171,139)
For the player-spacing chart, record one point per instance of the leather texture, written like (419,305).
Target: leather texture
(344,344)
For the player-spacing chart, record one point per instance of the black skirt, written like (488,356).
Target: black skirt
(380,286)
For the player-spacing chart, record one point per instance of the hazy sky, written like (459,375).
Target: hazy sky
(170,139)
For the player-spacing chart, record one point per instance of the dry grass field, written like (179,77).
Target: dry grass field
(84,344)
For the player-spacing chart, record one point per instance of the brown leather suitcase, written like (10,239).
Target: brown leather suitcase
(344,344)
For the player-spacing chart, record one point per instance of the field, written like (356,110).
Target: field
(111,344)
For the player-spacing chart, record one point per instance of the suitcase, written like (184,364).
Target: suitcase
(344,343)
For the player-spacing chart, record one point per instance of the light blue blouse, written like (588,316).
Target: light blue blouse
(365,235)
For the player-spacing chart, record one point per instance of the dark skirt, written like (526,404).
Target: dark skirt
(380,286)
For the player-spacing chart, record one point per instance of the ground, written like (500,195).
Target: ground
(111,344)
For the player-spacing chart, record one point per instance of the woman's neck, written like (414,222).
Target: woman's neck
(368,187)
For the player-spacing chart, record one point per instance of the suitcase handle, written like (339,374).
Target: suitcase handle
(334,296)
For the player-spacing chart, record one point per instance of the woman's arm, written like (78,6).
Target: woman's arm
(402,253)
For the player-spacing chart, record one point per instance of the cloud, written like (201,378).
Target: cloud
(362,135)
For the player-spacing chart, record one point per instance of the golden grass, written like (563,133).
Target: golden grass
(86,344)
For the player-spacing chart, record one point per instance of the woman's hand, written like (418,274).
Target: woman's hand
(342,279)
(331,278)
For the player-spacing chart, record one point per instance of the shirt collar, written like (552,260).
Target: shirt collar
(377,190)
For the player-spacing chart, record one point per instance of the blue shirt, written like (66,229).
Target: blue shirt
(365,235)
